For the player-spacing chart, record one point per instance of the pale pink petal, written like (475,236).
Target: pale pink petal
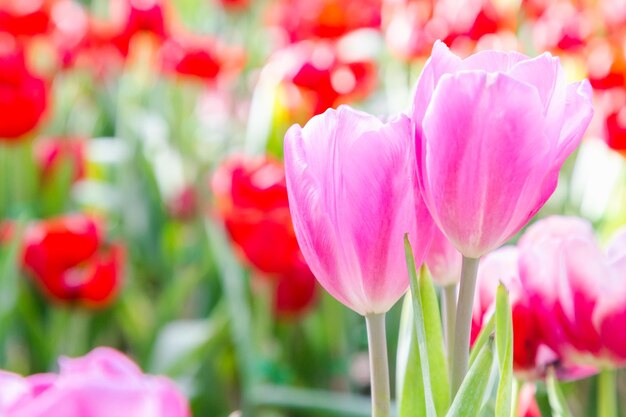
(441,62)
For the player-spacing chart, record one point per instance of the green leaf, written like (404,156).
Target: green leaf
(468,401)
(557,401)
(409,382)
(429,340)
(435,344)
(504,348)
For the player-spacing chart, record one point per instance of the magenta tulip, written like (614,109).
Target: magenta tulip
(104,383)
(491,133)
(352,196)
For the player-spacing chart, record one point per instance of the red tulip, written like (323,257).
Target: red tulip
(251,198)
(197,57)
(138,16)
(52,153)
(23,95)
(184,205)
(320,75)
(69,260)
(295,292)
(24,17)
(615,131)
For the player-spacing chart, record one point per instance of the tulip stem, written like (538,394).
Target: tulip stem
(460,355)
(449,314)
(607,394)
(379,368)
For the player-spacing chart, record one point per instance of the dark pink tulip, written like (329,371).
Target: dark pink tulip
(352,196)
(610,313)
(104,383)
(577,290)
(542,249)
(491,133)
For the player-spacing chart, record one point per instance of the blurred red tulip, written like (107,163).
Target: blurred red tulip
(331,19)
(7,230)
(68,258)
(251,198)
(606,64)
(234,5)
(321,75)
(295,291)
(615,130)
(138,16)
(184,206)
(25,17)
(23,95)
(200,57)
(52,153)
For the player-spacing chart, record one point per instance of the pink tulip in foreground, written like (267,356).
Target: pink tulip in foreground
(104,383)
(491,134)
(352,196)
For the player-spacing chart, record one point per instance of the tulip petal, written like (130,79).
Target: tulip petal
(441,62)
(492,61)
(471,166)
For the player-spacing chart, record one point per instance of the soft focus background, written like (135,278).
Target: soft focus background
(142,194)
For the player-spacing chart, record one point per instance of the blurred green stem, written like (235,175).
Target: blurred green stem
(460,356)
(607,394)
(379,367)
(449,317)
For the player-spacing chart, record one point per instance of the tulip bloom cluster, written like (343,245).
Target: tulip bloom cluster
(477,159)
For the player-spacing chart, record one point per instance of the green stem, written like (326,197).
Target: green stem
(460,356)
(449,317)
(379,368)
(607,394)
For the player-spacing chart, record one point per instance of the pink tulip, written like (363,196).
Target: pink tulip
(491,133)
(352,196)
(104,383)
(443,260)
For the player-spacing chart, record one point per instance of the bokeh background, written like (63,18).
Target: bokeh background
(142,195)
